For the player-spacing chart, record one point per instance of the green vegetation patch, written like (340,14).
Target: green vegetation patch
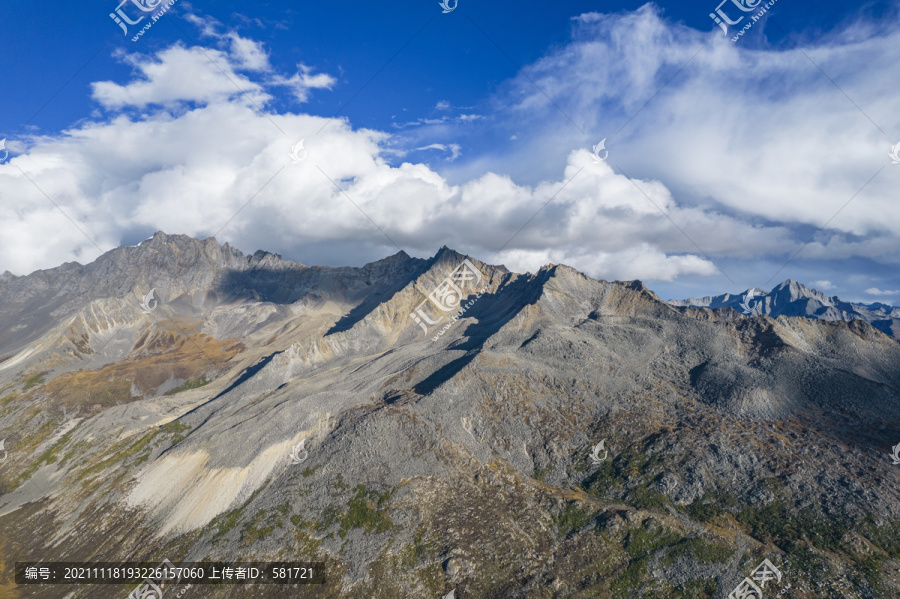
(264,523)
(420,551)
(5,401)
(176,430)
(699,549)
(572,518)
(51,456)
(631,580)
(867,573)
(642,542)
(367,510)
(636,581)
(711,506)
(606,476)
(696,589)
(614,473)
(34,381)
(76,450)
(119,453)
(225,522)
(309,545)
(644,499)
(882,534)
(788,527)
(809,563)
(541,473)
(191,384)
(399,574)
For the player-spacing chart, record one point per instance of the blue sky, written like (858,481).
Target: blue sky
(726,158)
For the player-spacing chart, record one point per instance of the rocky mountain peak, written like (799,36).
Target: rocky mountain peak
(791,291)
(791,298)
(446,255)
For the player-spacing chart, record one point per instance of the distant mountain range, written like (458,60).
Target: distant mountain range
(442,427)
(795,299)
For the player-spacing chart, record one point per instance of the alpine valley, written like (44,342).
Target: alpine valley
(182,401)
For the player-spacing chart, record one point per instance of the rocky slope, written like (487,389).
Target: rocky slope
(456,458)
(795,299)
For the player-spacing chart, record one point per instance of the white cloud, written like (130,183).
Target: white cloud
(454,149)
(204,75)
(303,81)
(823,285)
(757,132)
(882,293)
(176,75)
(650,262)
(192,172)
(745,162)
(248,54)
(446,119)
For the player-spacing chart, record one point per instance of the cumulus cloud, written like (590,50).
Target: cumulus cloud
(882,292)
(176,75)
(747,161)
(759,132)
(179,75)
(248,54)
(188,173)
(652,263)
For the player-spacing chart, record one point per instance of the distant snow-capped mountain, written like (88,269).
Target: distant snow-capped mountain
(791,298)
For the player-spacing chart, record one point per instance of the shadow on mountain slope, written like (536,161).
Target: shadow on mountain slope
(268,285)
(363,288)
(375,298)
(247,374)
(492,315)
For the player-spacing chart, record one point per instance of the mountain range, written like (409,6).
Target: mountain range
(422,427)
(795,299)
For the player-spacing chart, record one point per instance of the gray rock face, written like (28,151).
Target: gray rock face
(795,299)
(262,409)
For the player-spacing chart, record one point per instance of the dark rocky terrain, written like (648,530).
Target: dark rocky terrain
(436,462)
